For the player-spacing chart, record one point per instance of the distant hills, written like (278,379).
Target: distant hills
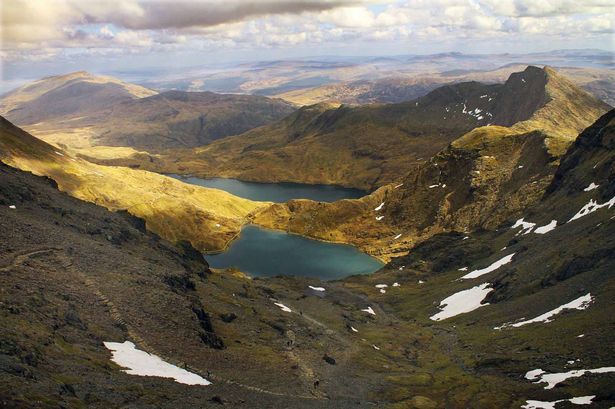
(370,146)
(67,96)
(82,110)
(597,81)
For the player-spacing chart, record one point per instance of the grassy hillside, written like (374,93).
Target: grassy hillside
(208,218)
(70,95)
(80,110)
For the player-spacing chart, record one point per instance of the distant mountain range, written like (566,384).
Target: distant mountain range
(373,145)
(83,110)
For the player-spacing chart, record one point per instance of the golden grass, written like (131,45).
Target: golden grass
(208,218)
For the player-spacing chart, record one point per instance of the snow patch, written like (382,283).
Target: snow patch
(526,227)
(316,288)
(396,284)
(462,302)
(58,153)
(12,207)
(379,218)
(538,404)
(379,207)
(591,187)
(494,266)
(552,379)
(143,364)
(381,285)
(369,310)
(396,237)
(546,228)
(463,269)
(375,347)
(580,303)
(383,291)
(283,307)
(353,329)
(591,207)
(398,186)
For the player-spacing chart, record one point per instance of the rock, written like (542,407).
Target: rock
(328,359)
(230,317)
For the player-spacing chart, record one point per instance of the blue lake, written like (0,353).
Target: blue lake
(265,253)
(275,192)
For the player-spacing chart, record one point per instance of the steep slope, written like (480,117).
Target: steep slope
(80,110)
(483,178)
(511,330)
(370,146)
(208,218)
(75,275)
(72,95)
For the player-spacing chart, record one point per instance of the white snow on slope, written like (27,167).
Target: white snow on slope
(369,310)
(538,404)
(580,303)
(494,266)
(143,364)
(396,237)
(379,218)
(379,207)
(381,285)
(527,227)
(462,302)
(591,186)
(546,228)
(12,207)
(316,288)
(396,284)
(552,379)
(591,207)
(283,307)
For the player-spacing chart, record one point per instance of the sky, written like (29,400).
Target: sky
(44,37)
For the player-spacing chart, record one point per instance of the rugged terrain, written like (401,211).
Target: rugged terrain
(370,146)
(82,111)
(208,218)
(395,89)
(75,275)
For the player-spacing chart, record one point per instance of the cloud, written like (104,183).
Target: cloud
(41,29)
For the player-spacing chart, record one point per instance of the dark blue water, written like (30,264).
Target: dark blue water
(265,253)
(275,192)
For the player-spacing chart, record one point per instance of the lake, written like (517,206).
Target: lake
(265,253)
(275,192)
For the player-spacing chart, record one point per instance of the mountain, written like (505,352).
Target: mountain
(412,85)
(370,146)
(80,110)
(208,218)
(75,275)
(481,179)
(68,95)
(176,119)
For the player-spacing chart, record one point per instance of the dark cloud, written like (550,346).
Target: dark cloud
(163,14)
